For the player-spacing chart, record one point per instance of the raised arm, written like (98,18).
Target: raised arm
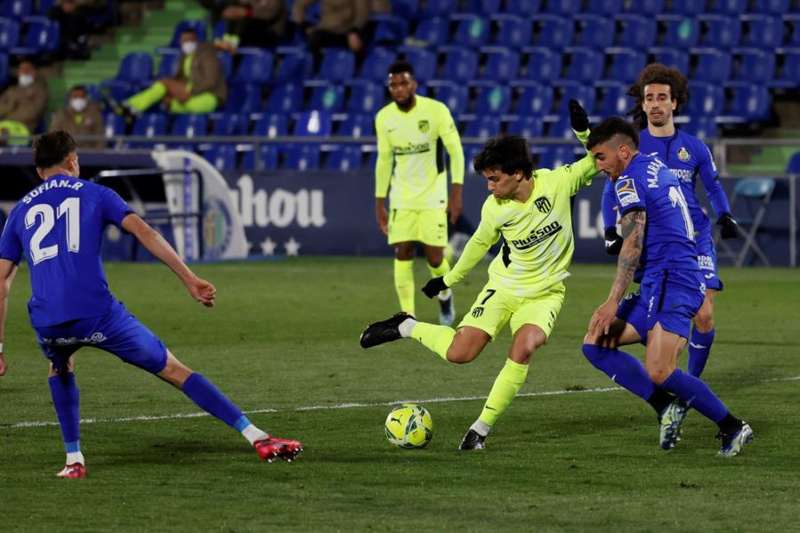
(200,289)
(8,270)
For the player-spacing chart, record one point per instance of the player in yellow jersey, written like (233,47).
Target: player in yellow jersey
(411,132)
(531,211)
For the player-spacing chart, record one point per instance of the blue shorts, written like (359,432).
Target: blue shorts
(707,260)
(670,298)
(117,332)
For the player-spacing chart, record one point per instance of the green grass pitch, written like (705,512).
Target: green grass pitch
(283,343)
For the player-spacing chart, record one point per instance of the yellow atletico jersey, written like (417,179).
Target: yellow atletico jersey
(409,157)
(538,233)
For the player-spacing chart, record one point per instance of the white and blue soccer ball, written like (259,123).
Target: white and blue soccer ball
(409,426)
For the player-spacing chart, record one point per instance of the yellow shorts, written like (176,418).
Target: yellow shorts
(428,226)
(494,308)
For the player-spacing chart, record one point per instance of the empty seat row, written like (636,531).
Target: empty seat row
(30,37)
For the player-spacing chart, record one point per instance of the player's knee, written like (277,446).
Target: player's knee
(460,354)
(659,373)
(704,320)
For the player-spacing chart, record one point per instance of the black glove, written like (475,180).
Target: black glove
(434,287)
(613,241)
(578,118)
(729,228)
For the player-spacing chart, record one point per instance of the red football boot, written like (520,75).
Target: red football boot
(272,448)
(73,471)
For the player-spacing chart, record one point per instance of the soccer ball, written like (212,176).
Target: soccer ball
(409,426)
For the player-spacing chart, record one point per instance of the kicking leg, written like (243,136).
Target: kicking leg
(66,401)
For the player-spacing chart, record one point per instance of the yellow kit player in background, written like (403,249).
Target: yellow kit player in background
(411,131)
(531,211)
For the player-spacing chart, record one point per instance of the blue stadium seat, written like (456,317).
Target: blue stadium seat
(645,7)
(120,90)
(483,127)
(761,31)
(748,100)
(221,156)
(512,31)
(243,98)
(792,30)
(3,70)
(226,62)
(9,33)
(701,127)
(635,31)
(376,65)
(678,31)
(255,66)
(432,31)
(705,99)
(525,8)
(486,7)
(584,64)
(294,65)
(527,126)
(593,31)
(607,8)
(357,125)
(788,75)
(472,30)
(313,123)
(670,57)
(227,124)
(542,64)
(624,64)
(493,100)
(264,157)
(501,65)
(343,157)
(137,68)
(199,26)
(167,63)
(553,156)
(337,64)
(565,8)
(687,7)
(439,8)
(711,65)
(150,125)
(719,31)
(614,99)
(423,61)
(366,97)
(301,156)
(406,9)
(40,35)
(772,7)
(269,125)
(328,97)
(534,99)
(114,125)
(460,64)
(17,9)
(552,31)
(389,29)
(753,65)
(566,90)
(189,125)
(793,166)
(728,7)
(285,98)
(452,94)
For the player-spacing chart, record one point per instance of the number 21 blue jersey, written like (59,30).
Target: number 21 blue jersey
(58,227)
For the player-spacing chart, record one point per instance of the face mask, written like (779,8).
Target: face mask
(25,79)
(78,104)
(188,47)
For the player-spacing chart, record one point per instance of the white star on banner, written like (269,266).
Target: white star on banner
(268,246)
(292,246)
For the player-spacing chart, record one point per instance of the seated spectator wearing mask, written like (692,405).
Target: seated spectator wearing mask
(22,106)
(80,117)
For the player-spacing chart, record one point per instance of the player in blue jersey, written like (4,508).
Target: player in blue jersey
(57,228)
(659,251)
(659,92)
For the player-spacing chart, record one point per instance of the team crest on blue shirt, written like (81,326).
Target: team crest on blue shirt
(423,126)
(683,154)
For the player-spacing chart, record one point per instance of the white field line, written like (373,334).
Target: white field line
(348,405)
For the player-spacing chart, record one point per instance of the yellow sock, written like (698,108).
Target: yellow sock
(506,386)
(441,270)
(404,284)
(435,338)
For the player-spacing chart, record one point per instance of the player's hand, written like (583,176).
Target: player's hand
(578,118)
(202,291)
(382,217)
(3,365)
(434,287)
(613,241)
(600,324)
(729,228)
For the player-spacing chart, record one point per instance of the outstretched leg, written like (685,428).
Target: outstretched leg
(66,401)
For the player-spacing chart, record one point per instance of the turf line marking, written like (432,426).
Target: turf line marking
(349,405)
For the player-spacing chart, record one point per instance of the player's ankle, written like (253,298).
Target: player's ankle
(481,428)
(406,327)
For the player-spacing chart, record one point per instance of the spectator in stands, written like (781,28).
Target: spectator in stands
(75,29)
(258,23)
(22,106)
(342,24)
(198,86)
(80,117)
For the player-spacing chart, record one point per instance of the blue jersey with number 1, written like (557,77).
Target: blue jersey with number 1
(58,227)
(649,185)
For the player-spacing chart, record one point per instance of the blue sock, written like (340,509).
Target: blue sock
(623,368)
(66,400)
(696,394)
(210,399)
(699,348)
